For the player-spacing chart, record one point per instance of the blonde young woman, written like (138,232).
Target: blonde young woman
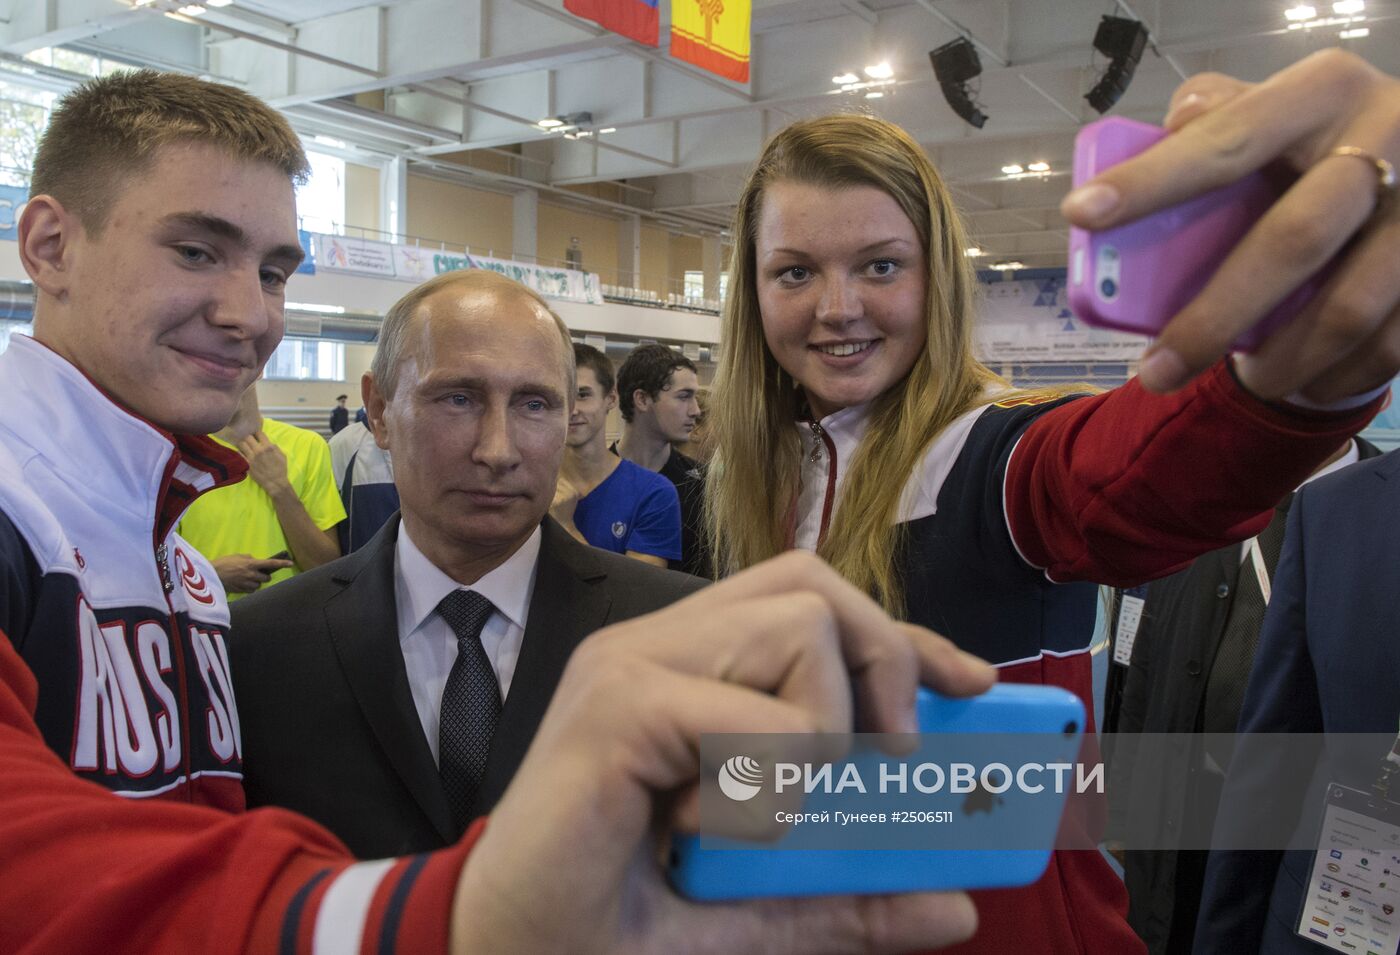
(852,419)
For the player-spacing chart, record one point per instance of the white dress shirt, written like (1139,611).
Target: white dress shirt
(430,647)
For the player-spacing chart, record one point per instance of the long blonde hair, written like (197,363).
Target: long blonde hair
(753,478)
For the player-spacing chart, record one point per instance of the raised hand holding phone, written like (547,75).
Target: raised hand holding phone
(1136,277)
(1333,119)
(787,646)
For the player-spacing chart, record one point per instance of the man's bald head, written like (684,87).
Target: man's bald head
(512,299)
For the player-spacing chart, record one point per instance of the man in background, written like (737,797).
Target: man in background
(602,499)
(340,415)
(280,520)
(391,695)
(1191,640)
(658,397)
(364,473)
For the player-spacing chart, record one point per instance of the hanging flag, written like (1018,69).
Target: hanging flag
(713,34)
(634,19)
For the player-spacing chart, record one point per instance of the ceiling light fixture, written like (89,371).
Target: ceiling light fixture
(192,10)
(880,71)
(1301,12)
(566,123)
(1356,34)
(1348,8)
(1039,167)
(610,129)
(217,3)
(1007,266)
(845,78)
(972,252)
(1013,169)
(874,94)
(1326,22)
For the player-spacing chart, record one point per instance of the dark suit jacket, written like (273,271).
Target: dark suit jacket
(329,726)
(1328,661)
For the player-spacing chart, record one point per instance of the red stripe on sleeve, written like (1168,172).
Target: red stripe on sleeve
(424,924)
(1128,486)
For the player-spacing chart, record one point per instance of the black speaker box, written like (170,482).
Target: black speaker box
(1121,39)
(956,95)
(955,62)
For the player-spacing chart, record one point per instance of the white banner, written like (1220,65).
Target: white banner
(570,285)
(413,264)
(1029,320)
(338,253)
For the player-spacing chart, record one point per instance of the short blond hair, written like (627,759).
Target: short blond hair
(393,331)
(109,129)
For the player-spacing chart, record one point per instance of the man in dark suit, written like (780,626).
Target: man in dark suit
(1191,652)
(392,694)
(340,415)
(1328,662)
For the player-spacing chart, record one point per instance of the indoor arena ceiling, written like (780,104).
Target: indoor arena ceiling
(456,86)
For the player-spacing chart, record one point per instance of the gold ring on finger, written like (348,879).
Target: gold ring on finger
(1385,173)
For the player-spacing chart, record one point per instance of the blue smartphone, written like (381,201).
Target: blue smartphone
(1048,719)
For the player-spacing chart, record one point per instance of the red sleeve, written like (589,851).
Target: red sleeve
(85,870)
(1128,486)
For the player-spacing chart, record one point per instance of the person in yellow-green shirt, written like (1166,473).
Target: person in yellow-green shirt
(278,521)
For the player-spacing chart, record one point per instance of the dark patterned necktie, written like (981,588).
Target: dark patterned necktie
(471,704)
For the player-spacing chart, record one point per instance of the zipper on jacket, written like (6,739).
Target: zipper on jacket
(163,562)
(178,648)
(818,436)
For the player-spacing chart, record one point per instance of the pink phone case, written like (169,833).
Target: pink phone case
(1137,276)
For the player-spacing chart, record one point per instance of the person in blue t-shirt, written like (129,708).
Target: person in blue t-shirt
(601,499)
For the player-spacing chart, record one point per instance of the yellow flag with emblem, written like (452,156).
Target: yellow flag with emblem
(714,35)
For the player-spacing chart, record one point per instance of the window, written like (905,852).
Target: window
(695,285)
(12,328)
(24,113)
(306,359)
(24,110)
(321,200)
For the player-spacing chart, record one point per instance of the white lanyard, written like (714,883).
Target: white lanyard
(1256,559)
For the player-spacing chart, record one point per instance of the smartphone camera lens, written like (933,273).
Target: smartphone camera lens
(1108,288)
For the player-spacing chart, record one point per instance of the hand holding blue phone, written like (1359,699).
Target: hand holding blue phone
(869,824)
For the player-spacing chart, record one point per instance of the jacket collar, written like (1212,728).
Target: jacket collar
(85,437)
(845,428)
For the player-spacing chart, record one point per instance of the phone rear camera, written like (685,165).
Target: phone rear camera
(1108,288)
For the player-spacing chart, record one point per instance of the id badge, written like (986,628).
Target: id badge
(1129,618)
(1353,893)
